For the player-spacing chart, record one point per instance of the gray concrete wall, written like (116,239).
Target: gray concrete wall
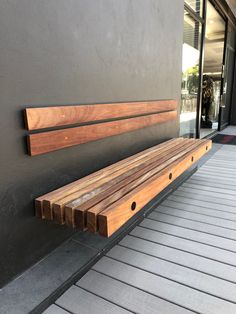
(55,52)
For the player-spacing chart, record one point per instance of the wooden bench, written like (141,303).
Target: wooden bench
(103,201)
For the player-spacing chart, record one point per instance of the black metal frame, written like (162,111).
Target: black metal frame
(223,76)
(201,20)
(201,63)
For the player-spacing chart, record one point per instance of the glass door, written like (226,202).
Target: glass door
(212,71)
(228,74)
(190,67)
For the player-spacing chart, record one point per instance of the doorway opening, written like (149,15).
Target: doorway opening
(212,71)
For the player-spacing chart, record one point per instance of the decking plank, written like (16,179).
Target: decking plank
(171,216)
(188,199)
(161,287)
(190,219)
(180,257)
(198,236)
(219,169)
(217,199)
(79,301)
(178,273)
(201,211)
(213,177)
(208,188)
(211,184)
(222,196)
(54,309)
(224,175)
(197,248)
(135,300)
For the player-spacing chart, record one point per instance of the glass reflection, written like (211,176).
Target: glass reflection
(190,76)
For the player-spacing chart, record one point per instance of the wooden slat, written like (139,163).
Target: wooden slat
(72,187)
(85,185)
(111,197)
(125,182)
(45,142)
(99,186)
(112,218)
(39,118)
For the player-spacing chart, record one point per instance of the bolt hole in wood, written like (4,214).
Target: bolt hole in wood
(133,206)
(206,147)
(192,159)
(170,176)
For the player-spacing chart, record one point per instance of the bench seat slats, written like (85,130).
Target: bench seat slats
(48,117)
(100,185)
(112,218)
(128,174)
(108,198)
(48,199)
(93,213)
(103,200)
(44,142)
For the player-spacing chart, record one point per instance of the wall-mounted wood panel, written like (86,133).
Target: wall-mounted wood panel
(53,140)
(47,117)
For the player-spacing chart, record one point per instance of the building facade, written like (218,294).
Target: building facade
(84,52)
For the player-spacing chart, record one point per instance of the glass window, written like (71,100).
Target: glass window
(196,5)
(190,76)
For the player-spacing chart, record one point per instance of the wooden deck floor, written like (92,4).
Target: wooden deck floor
(180,259)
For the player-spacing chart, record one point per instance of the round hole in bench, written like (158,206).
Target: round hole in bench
(133,206)
(192,159)
(170,176)
(206,147)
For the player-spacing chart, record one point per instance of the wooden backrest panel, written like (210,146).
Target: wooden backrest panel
(45,142)
(47,117)
(102,120)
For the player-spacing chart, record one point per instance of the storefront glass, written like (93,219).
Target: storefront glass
(195,5)
(212,70)
(190,76)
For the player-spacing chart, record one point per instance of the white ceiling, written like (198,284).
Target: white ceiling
(214,42)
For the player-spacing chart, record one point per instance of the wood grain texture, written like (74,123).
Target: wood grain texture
(130,174)
(112,218)
(94,188)
(45,142)
(117,192)
(44,203)
(47,117)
